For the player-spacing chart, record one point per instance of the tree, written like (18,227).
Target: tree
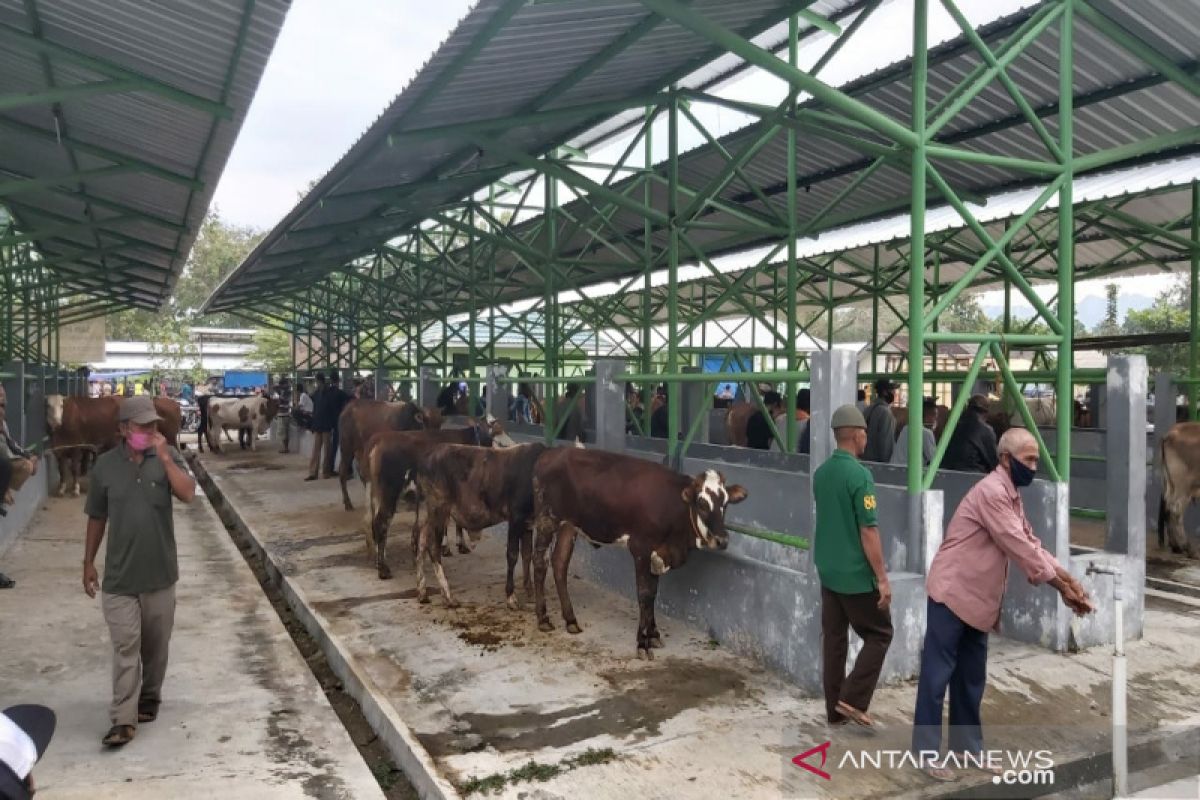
(964,315)
(1109,326)
(1169,314)
(272,349)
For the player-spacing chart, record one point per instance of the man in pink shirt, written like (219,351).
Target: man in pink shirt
(966,587)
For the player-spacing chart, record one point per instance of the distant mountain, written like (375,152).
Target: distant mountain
(1090,310)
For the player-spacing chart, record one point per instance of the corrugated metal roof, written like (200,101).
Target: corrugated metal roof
(126,171)
(1118,99)
(505,58)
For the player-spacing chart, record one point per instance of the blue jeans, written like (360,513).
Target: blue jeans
(954,657)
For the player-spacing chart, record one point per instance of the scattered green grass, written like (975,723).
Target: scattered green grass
(712,644)
(533,771)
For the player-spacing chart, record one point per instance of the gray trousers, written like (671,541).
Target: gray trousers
(140,626)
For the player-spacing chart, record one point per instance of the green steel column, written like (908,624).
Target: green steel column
(789,432)
(472,388)
(549,324)
(916,265)
(1194,306)
(648,256)
(1066,242)
(673,395)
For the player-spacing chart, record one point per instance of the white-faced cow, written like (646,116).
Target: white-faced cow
(250,414)
(1181,484)
(477,488)
(391,459)
(659,514)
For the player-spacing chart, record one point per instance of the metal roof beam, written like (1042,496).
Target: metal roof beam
(60,94)
(146,83)
(36,234)
(19,186)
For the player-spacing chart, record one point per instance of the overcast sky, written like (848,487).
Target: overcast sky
(337,65)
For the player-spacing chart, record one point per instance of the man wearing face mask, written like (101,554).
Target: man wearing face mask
(129,493)
(966,588)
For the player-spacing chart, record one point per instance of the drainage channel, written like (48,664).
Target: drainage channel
(391,779)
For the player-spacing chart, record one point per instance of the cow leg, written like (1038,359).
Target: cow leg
(463,547)
(435,555)
(526,559)
(76,462)
(384,504)
(1179,537)
(544,528)
(647,592)
(344,477)
(517,532)
(564,545)
(1163,517)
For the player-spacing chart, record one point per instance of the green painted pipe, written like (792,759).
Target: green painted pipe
(798,542)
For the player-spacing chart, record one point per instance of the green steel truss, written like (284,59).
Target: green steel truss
(508,261)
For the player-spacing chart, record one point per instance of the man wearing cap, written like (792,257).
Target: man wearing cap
(855,591)
(25,733)
(130,494)
(972,446)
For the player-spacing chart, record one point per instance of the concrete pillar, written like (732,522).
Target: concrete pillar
(833,382)
(609,397)
(382,388)
(696,402)
(427,390)
(14,388)
(930,532)
(1099,398)
(1126,455)
(499,395)
(1165,392)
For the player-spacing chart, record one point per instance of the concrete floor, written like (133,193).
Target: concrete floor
(242,716)
(485,692)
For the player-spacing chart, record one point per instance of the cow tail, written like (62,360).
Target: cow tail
(1168,490)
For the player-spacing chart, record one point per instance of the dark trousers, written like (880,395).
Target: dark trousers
(954,657)
(874,626)
(331,459)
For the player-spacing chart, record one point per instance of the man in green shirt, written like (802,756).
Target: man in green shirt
(129,492)
(855,591)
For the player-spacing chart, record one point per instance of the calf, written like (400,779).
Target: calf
(362,419)
(391,458)
(82,425)
(736,420)
(1181,484)
(477,488)
(616,499)
(250,414)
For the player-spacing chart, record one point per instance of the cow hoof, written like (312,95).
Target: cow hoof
(545,626)
(348,506)
(514,603)
(446,552)
(452,603)
(385,573)
(423,599)
(656,642)
(75,492)
(645,654)
(573,627)
(463,549)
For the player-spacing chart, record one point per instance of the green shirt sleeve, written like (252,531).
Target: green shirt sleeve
(864,502)
(96,504)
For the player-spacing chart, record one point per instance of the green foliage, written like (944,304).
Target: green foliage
(272,349)
(1168,314)
(964,315)
(535,771)
(1109,326)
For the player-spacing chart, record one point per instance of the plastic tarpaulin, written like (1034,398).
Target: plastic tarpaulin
(245,380)
(725,363)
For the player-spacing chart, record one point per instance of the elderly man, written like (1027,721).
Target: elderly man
(966,587)
(130,493)
(855,592)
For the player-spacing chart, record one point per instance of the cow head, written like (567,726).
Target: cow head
(500,437)
(54,411)
(270,408)
(707,497)
(431,418)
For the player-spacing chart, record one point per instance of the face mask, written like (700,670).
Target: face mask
(1021,474)
(139,440)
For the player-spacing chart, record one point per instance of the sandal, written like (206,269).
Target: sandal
(147,712)
(856,716)
(943,774)
(6,582)
(119,735)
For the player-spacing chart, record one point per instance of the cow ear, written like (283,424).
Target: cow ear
(688,494)
(737,494)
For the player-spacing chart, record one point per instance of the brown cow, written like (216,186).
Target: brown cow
(82,425)
(736,419)
(477,488)
(362,419)
(1181,484)
(617,499)
(391,458)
